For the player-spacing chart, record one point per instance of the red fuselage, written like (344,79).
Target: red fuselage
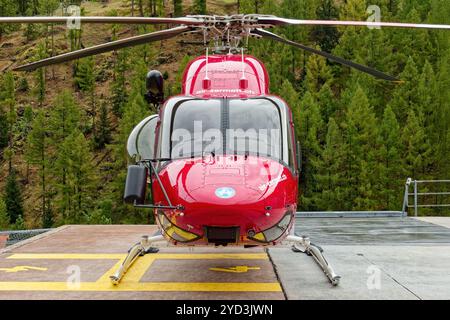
(227,197)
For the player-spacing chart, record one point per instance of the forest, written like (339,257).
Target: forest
(63,129)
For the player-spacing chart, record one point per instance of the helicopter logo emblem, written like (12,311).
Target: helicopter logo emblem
(225,192)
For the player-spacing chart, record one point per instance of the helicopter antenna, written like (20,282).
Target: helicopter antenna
(243,64)
(243,82)
(206,81)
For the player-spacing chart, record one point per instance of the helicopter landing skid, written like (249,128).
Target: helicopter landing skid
(139,249)
(303,244)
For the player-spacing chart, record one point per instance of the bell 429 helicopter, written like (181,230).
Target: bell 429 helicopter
(220,160)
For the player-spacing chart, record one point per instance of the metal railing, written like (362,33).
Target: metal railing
(417,194)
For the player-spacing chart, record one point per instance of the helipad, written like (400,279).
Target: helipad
(378,258)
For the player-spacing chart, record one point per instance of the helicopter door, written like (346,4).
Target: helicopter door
(141,142)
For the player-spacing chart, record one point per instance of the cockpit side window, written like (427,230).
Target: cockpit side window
(141,141)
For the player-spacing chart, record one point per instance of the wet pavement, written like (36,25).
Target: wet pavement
(374,231)
(377,258)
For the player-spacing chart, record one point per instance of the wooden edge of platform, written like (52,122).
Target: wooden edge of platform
(32,239)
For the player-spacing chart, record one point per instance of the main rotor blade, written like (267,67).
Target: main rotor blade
(122,20)
(101,48)
(276,21)
(329,56)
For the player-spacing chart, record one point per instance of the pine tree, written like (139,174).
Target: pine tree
(311,132)
(4,217)
(317,74)
(8,103)
(31,30)
(118,87)
(75,197)
(177,8)
(404,97)
(360,133)
(40,74)
(442,123)
(13,197)
(36,154)
(103,133)
(329,177)
(64,117)
(64,121)
(7,8)
(326,37)
(85,81)
(20,223)
(389,161)
(416,148)
(200,6)
(3,129)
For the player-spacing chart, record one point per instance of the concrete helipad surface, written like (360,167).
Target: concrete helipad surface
(378,258)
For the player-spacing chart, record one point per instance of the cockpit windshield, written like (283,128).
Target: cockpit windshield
(226,126)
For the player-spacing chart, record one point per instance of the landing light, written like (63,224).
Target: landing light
(275,232)
(173,231)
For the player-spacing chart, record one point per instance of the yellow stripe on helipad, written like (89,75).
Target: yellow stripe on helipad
(131,280)
(148,286)
(97,256)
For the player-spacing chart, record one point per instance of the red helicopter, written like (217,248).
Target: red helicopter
(220,160)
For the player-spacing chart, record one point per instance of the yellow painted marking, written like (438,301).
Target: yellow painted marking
(66,256)
(22,268)
(140,266)
(237,269)
(177,256)
(105,277)
(130,282)
(145,286)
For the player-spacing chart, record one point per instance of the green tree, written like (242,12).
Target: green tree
(200,6)
(390,178)
(4,217)
(64,117)
(63,122)
(404,97)
(40,74)
(103,133)
(330,174)
(20,223)
(3,128)
(7,8)
(119,92)
(416,148)
(36,154)
(360,133)
(8,103)
(85,81)
(311,132)
(75,198)
(13,197)
(177,8)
